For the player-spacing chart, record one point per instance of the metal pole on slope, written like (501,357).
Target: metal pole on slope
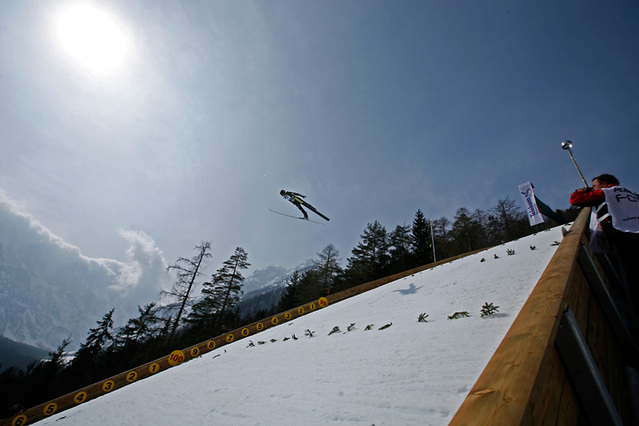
(432,238)
(567,145)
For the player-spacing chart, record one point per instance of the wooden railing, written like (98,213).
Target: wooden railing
(564,359)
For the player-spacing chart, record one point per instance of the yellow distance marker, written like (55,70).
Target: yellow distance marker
(323,302)
(108,386)
(195,352)
(287,316)
(154,368)
(259,326)
(176,358)
(19,420)
(274,321)
(211,344)
(50,409)
(245,332)
(80,397)
(230,338)
(131,376)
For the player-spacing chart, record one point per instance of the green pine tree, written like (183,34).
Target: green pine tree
(140,329)
(222,293)
(98,337)
(421,240)
(291,296)
(400,245)
(370,257)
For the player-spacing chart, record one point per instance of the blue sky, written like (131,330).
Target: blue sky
(373,109)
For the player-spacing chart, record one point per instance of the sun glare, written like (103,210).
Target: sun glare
(93,38)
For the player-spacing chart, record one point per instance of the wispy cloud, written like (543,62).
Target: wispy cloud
(19,209)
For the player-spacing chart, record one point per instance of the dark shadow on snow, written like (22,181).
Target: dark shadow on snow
(410,290)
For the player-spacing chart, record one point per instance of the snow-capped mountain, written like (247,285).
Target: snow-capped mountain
(264,287)
(272,276)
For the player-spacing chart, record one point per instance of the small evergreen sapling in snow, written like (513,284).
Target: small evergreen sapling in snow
(369,327)
(309,333)
(489,309)
(422,317)
(533,247)
(510,252)
(384,327)
(351,327)
(457,315)
(334,330)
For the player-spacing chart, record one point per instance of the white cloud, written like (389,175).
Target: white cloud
(19,209)
(56,287)
(145,266)
(143,256)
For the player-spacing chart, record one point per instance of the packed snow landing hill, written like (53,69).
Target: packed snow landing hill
(363,361)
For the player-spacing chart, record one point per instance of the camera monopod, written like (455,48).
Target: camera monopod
(567,145)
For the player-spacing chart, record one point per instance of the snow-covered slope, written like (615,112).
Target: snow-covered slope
(410,373)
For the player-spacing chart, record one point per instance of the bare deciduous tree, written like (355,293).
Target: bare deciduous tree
(188,270)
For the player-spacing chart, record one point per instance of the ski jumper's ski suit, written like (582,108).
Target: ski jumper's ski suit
(296,199)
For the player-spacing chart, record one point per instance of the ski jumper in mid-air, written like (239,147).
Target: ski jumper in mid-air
(297,200)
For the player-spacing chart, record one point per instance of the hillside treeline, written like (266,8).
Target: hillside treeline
(382,252)
(185,319)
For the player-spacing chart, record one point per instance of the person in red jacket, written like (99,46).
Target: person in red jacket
(593,196)
(616,216)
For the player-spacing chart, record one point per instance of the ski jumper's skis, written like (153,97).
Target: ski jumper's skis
(311,208)
(295,217)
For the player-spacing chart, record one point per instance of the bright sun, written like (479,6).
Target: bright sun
(93,38)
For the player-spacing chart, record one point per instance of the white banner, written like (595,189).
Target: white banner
(534,216)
